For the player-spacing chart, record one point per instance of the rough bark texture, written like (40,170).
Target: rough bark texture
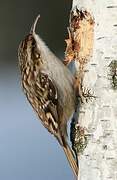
(99,159)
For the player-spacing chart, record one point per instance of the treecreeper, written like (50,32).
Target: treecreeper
(49,87)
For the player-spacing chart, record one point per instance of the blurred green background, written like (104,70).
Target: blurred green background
(27,150)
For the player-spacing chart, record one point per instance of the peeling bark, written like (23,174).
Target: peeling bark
(81,33)
(99,160)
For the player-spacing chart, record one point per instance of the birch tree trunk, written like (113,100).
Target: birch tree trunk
(99,159)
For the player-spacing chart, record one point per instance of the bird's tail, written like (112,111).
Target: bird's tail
(69,154)
(70,157)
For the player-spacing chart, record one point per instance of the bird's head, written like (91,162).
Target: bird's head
(30,48)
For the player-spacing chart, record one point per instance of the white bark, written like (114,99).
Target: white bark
(99,117)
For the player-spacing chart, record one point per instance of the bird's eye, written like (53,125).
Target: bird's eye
(35,54)
(33,43)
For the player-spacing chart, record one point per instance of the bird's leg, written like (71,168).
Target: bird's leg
(78,87)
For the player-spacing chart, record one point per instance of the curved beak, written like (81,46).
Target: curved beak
(32,31)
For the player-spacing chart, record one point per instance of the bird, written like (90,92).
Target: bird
(49,87)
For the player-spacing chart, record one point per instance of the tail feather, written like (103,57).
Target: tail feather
(71,159)
(69,154)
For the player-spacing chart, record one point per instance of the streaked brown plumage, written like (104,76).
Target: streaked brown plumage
(48,85)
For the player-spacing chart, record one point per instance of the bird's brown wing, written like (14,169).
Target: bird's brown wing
(46,93)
